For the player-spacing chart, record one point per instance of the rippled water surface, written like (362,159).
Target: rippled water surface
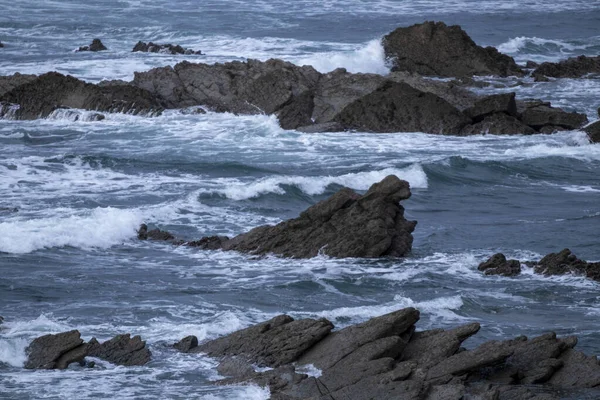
(69,258)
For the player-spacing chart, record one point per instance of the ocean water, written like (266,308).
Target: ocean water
(69,258)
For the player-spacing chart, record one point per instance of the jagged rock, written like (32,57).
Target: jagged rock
(565,262)
(121,350)
(279,341)
(578,370)
(352,340)
(494,104)
(96,45)
(41,96)
(209,242)
(575,67)
(186,344)
(437,49)
(540,115)
(154,234)
(593,131)
(162,48)
(498,124)
(499,265)
(8,83)
(345,225)
(531,64)
(393,107)
(55,351)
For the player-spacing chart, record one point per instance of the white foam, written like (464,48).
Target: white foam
(98,228)
(237,190)
(369,58)
(12,351)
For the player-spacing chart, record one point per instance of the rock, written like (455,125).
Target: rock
(393,107)
(578,370)
(8,83)
(494,104)
(575,67)
(96,45)
(121,350)
(162,48)
(186,344)
(437,49)
(352,340)
(498,124)
(1,45)
(41,96)
(54,351)
(499,265)
(1,320)
(543,115)
(279,341)
(565,262)
(593,131)
(209,242)
(344,225)
(531,65)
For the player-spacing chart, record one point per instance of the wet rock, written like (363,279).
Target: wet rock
(209,242)
(186,344)
(565,262)
(154,234)
(39,97)
(498,124)
(393,107)
(531,64)
(494,104)
(54,351)
(575,67)
(543,115)
(279,341)
(345,225)
(162,48)
(96,45)
(593,131)
(499,265)
(121,350)
(1,45)
(436,49)
(8,83)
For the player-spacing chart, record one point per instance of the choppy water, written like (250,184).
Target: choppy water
(69,258)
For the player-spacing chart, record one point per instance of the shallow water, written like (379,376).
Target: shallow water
(69,258)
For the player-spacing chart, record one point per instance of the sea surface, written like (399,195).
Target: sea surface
(69,258)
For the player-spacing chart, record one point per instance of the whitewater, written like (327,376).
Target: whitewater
(74,191)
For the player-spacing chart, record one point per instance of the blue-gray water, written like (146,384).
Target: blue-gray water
(69,258)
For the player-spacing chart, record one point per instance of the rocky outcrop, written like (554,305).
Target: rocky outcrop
(345,225)
(386,358)
(96,45)
(8,83)
(499,265)
(593,131)
(39,97)
(60,350)
(436,49)
(547,119)
(575,67)
(162,48)
(562,263)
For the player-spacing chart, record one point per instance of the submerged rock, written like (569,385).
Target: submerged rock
(60,350)
(96,45)
(436,49)
(345,225)
(385,358)
(162,48)
(575,67)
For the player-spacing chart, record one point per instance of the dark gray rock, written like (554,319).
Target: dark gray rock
(39,97)
(578,370)
(531,64)
(345,343)
(54,351)
(393,107)
(121,350)
(565,262)
(539,116)
(162,48)
(186,344)
(276,342)
(8,83)
(499,265)
(345,225)
(497,103)
(498,124)
(96,45)
(209,242)
(437,49)
(1,45)
(593,131)
(575,67)
(154,234)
